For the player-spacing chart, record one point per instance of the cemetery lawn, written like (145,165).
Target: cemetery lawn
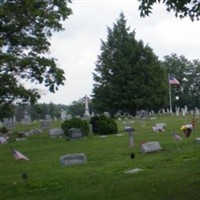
(170,174)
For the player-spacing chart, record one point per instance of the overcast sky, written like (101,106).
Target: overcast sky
(77,47)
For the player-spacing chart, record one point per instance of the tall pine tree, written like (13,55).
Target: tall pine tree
(128,75)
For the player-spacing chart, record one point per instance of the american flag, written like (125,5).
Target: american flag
(18,155)
(173,81)
(176,137)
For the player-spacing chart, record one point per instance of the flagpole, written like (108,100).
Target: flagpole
(170,94)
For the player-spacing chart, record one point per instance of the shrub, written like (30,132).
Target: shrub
(103,125)
(3,130)
(75,123)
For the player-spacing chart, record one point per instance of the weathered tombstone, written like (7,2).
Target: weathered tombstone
(186,109)
(133,171)
(177,111)
(9,124)
(183,111)
(33,132)
(44,124)
(3,140)
(73,159)
(91,129)
(63,114)
(87,113)
(48,117)
(197,140)
(159,127)
(56,132)
(149,147)
(75,133)
(20,139)
(197,111)
(26,119)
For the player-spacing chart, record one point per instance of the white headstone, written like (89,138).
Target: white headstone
(73,159)
(63,115)
(149,147)
(56,132)
(86,114)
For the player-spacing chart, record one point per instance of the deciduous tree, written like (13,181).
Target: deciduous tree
(25,29)
(182,8)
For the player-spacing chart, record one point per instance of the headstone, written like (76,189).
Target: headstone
(44,124)
(197,111)
(9,124)
(149,147)
(20,139)
(177,111)
(87,113)
(33,132)
(75,133)
(197,140)
(106,114)
(63,115)
(183,111)
(27,118)
(133,171)
(186,109)
(159,127)
(69,117)
(48,117)
(56,132)
(73,159)
(91,129)
(3,140)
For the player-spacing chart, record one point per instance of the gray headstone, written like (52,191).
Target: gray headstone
(33,132)
(73,159)
(45,124)
(197,140)
(20,139)
(56,132)
(9,125)
(75,133)
(150,147)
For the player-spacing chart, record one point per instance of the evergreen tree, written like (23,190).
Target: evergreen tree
(128,75)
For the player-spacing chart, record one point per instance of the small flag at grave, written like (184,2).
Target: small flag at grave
(18,155)
(176,137)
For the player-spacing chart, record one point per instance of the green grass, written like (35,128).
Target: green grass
(169,174)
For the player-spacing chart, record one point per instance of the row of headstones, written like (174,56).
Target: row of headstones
(147,147)
(9,124)
(74,134)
